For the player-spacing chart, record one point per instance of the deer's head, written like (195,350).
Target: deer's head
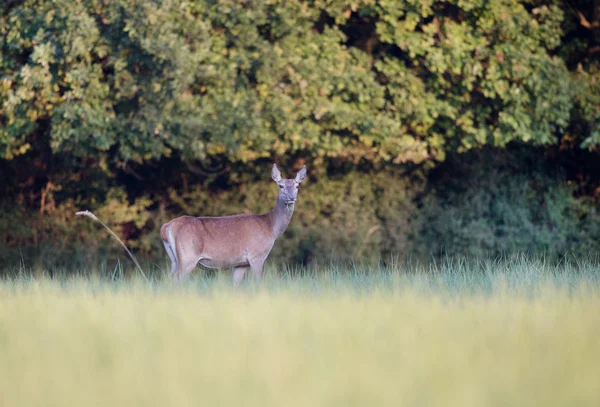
(288,188)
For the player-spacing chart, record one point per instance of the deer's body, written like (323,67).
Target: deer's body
(240,242)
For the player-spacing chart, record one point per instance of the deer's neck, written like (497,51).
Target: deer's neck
(280,216)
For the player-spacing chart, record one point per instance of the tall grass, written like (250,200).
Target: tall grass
(514,331)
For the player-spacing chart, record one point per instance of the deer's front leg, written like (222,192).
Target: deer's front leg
(238,274)
(256,265)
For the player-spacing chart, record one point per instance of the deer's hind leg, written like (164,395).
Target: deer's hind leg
(187,260)
(186,268)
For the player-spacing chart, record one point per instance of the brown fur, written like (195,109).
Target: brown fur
(240,242)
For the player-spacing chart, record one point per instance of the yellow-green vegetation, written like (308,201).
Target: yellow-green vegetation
(496,334)
(141,111)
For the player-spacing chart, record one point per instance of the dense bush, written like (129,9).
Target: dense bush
(491,204)
(347,217)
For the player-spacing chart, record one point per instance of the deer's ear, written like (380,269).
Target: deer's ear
(275,173)
(301,174)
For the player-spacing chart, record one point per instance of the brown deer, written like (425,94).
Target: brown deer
(240,242)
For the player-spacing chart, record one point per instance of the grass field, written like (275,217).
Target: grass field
(506,333)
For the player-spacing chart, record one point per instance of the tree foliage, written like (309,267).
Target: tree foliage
(375,80)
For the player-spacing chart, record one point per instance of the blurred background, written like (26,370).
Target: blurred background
(429,128)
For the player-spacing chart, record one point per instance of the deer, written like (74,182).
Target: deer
(240,242)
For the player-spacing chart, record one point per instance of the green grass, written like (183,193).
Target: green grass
(508,332)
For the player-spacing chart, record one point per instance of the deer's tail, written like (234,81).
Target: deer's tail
(166,234)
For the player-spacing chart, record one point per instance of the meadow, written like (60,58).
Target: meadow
(512,331)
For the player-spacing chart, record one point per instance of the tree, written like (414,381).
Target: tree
(375,81)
